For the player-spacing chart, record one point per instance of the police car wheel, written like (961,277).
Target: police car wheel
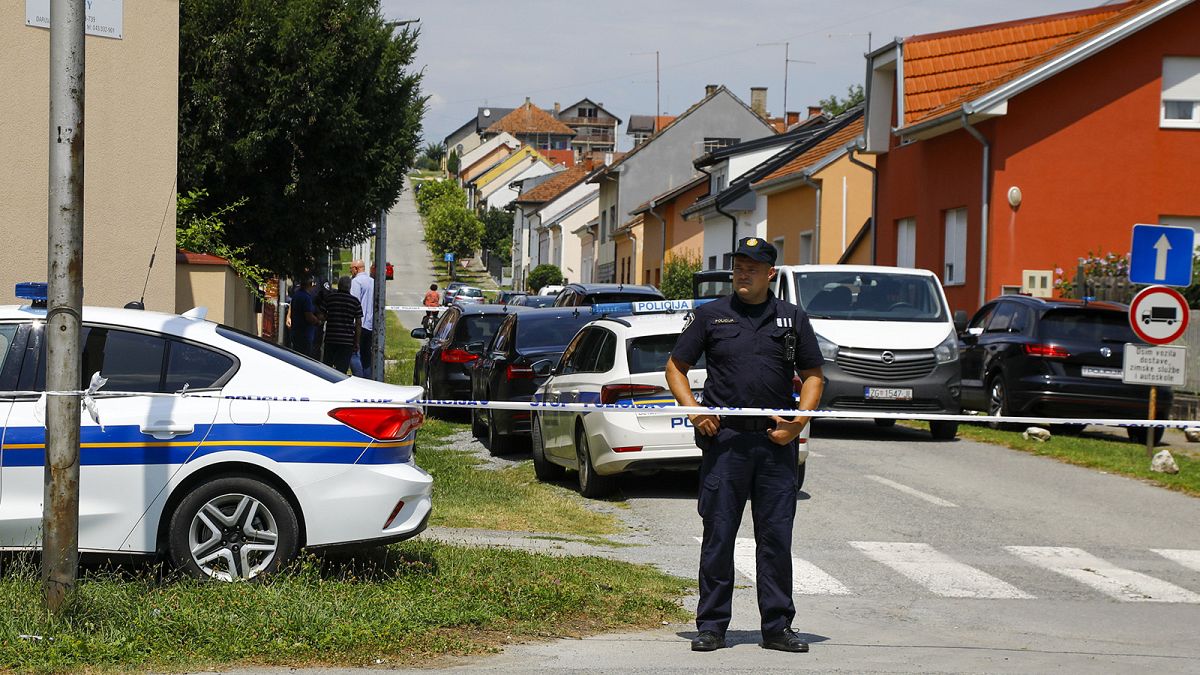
(233,528)
(543,468)
(591,484)
(498,444)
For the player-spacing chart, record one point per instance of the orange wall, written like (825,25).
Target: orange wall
(858,204)
(684,237)
(1084,147)
(486,162)
(789,213)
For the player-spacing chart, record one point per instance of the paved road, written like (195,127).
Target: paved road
(409,257)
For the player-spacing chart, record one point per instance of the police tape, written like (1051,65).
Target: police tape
(413,308)
(633,407)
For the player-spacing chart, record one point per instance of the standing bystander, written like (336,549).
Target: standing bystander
(362,286)
(343,326)
(303,317)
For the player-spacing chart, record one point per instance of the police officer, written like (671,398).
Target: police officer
(753,344)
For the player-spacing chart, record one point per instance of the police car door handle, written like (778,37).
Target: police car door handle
(167,429)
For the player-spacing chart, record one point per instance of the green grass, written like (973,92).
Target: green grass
(1118,457)
(397,606)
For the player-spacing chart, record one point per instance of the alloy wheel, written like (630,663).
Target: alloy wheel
(233,536)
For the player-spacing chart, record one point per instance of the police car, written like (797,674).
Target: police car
(230,455)
(623,361)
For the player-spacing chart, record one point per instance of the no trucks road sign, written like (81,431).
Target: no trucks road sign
(1158,315)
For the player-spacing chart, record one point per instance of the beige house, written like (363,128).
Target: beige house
(131,113)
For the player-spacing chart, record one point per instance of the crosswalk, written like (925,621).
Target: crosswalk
(944,576)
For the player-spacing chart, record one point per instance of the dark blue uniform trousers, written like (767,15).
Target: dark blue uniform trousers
(738,465)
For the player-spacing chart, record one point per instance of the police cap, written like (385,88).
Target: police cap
(757,249)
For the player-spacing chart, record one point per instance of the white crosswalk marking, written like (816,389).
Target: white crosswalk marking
(938,572)
(807,578)
(938,501)
(1103,576)
(1189,559)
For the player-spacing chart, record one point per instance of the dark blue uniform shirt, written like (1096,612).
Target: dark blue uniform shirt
(744,348)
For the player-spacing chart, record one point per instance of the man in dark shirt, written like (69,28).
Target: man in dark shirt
(343,325)
(304,318)
(753,345)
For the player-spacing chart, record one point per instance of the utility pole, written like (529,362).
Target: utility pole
(64,303)
(786,61)
(379,297)
(657,86)
(868,34)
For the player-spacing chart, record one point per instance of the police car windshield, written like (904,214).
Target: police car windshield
(310,366)
(1086,325)
(649,354)
(870,296)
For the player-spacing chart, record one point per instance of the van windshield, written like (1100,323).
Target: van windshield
(870,296)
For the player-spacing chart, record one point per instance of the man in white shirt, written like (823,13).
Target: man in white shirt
(362,286)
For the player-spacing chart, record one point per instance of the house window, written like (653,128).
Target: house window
(720,179)
(906,242)
(806,248)
(954,272)
(587,112)
(1180,93)
(603,226)
(711,144)
(712,262)
(612,218)
(727,261)
(640,137)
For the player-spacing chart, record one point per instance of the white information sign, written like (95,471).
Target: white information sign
(105,18)
(1154,365)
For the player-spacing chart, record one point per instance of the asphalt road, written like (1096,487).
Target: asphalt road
(409,257)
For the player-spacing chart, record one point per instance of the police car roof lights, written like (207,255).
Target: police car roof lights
(648,306)
(36,292)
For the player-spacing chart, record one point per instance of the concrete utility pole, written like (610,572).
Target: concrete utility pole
(380,299)
(60,514)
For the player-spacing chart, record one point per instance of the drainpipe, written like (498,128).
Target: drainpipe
(633,256)
(717,206)
(874,195)
(987,194)
(816,218)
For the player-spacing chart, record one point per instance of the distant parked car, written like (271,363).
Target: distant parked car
(504,372)
(451,291)
(712,283)
(458,339)
(1053,358)
(469,295)
(575,295)
(505,297)
(552,289)
(534,301)
(388,271)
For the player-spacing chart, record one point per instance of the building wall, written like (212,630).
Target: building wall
(571,255)
(220,290)
(1084,147)
(684,237)
(131,107)
(487,161)
(839,224)
(789,213)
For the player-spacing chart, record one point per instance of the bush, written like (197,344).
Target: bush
(677,275)
(544,275)
(439,191)
(452,228)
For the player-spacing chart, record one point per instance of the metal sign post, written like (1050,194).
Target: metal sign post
(64,303)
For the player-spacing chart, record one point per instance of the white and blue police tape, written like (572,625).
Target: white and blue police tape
(413,308)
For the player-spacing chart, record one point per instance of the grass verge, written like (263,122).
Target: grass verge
(1118,457)
(401,605)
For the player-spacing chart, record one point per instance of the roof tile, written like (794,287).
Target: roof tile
(530,119)
(553,187)
(836,140)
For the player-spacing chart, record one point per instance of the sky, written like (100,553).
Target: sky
(476,53)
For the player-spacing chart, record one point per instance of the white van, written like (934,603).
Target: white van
(887,336)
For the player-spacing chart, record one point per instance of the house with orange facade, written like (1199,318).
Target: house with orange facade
(1009,150)
(669,235)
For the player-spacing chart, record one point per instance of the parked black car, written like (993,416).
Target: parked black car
(504,372)
(574,295)
(459,337)
(533,301)
(712,283)
(1052,358)
(507,297)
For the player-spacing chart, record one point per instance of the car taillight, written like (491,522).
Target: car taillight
(515,372)
(628,448)
(1047,351)
(382,424)
(611,393)
(458,356)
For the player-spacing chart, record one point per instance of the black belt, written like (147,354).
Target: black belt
(743,423)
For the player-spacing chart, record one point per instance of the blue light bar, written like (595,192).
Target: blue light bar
(34,291)
(648,306)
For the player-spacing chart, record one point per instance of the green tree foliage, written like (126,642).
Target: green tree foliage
(437,192)
(308,109)
(452,163)
(434,152)
(835,106)
(452,228)
(200,231)
(677,275)
(543,275)
(497,232)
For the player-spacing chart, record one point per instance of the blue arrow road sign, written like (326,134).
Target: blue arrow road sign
(1162,254)
(449,257)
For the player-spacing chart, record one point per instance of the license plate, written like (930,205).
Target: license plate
(887,394)
(1106,373)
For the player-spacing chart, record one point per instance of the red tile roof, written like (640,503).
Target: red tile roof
(816,153)
(184,256)
(530,119)
(944,70)
(553,187)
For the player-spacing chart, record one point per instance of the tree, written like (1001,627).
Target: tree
(835,106)
(201,231)
(439,191)
(452,228)
(543,275)
(452,163)
(307,109)
(497,232)
(677,275)
(434,152)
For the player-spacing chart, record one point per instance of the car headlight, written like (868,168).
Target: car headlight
(829,350)
(948,350)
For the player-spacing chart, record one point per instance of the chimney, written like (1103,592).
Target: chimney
(791,117)
(710,89)
(813,111)
(758,100)
(557,109)
(526,100)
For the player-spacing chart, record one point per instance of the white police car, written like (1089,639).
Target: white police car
(618,360)
(267,451)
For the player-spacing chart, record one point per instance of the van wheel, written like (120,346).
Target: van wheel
(1138,434)
(591,484)
(885,422)
(943,430)
(233,528)
(545,470)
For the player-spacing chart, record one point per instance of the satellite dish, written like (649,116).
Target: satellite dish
(487,112)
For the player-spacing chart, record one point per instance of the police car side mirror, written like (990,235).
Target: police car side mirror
(960,320)
(542,368)
(418,333)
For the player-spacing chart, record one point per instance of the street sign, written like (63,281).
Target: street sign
(1163,366)
(1162,254)
(449,257)
(1158,315)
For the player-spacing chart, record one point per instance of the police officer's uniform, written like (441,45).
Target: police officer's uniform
(751,354)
